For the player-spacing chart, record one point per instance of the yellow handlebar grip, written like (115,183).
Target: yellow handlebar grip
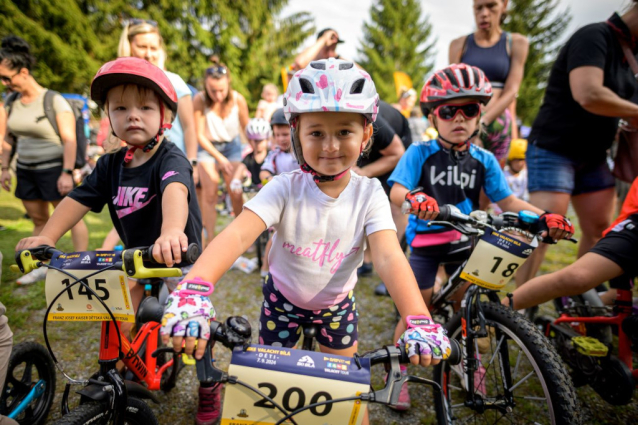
(139,271)
(14,268)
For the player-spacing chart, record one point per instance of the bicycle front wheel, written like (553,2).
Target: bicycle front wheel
(137,413)
(542,392)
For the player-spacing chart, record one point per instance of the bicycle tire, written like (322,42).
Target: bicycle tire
(556,391)
(137,413)
(26,358)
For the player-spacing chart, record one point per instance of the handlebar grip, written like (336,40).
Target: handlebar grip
(189,257)
(445,213)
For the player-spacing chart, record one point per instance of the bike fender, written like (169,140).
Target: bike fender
(133,389)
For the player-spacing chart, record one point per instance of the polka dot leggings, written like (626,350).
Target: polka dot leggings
(281,322)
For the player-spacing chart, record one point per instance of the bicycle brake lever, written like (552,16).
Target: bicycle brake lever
(206,371)
(458,227)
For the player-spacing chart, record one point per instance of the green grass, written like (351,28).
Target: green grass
(76,344)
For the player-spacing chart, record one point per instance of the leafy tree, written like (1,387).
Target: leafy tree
(543,24)
(73,38)
(398,38)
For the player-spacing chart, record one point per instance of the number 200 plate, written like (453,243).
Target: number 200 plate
(294,379)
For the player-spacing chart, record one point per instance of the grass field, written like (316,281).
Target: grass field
(76,344)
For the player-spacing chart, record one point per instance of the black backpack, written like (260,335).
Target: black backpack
(76,106)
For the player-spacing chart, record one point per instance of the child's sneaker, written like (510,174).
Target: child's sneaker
(209,408)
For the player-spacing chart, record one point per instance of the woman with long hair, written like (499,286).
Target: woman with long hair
(221,115)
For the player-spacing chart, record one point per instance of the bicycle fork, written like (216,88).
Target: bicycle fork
(472,312)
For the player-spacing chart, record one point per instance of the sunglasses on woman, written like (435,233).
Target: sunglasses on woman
(136,21)
(217,71)
(448,112)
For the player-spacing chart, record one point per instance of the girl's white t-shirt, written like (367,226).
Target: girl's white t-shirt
(319,241)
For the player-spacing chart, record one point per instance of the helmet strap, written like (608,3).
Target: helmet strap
(320,178)
(151,143)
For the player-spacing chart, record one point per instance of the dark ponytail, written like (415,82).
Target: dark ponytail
(17,53)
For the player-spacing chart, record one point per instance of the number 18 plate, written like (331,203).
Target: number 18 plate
(77,303)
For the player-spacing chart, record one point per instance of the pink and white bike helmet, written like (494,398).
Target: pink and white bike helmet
(329,85)
(258,129)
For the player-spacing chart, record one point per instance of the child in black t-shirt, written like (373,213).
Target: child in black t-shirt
(147,185)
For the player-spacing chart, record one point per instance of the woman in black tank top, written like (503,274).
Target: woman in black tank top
(502,57)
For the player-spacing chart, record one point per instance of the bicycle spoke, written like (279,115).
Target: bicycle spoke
(518,359)
(28,367)
(521,381)
(532,398)
(498,346)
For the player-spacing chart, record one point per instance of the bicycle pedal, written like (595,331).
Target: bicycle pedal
(589,346)
(188,360)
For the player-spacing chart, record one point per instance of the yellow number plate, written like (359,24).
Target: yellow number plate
(78,304)
(294,378)
(495,259)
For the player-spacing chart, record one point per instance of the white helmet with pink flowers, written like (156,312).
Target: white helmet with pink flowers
(329,85)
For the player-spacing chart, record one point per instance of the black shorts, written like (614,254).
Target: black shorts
(425,261)
(38,184)
(621,246)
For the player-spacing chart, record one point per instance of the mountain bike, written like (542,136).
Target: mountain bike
(276,385)
(93,286)
(510,371)
(30,384)
(582,335)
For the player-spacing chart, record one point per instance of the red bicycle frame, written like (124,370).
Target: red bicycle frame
(144,369)
(623,307)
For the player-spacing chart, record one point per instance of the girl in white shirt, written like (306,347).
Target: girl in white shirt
(322,214)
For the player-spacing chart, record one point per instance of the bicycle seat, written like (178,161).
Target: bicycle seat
(150,310)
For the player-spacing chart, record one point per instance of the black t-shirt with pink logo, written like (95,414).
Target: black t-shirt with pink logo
(134,195)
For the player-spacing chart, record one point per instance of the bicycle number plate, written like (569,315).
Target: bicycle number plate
(495,259)
(78,304)
(294,379)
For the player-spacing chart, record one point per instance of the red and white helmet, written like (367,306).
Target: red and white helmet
(454,82)
(130,70)
(258,129)
(329,85)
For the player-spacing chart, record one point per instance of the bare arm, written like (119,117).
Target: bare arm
(66,215)
(456,50)
(304,58)
(243,116)
(397,194)
(66,124)
(391,156)
(586,84)
(520,49)
(186,117)
(222,252)
(5,175)
(172,241)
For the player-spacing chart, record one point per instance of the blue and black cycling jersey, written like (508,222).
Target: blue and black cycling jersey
(430,166)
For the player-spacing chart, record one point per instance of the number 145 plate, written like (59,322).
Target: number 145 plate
(77,303)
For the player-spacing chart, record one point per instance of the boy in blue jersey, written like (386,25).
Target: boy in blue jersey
(450,170)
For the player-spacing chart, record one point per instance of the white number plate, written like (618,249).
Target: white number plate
(294,378)
(495,259)
(78,304)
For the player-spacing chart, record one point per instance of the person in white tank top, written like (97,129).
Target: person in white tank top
(221,114)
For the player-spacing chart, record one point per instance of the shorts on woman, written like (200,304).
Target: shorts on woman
(497,136)
(38,184)
(231,150)
(425,261)
(281,322)
(553,172)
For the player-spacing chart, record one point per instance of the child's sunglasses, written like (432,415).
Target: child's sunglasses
(448,112)
(136,21)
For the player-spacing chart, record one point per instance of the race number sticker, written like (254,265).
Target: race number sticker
(77,303)
(495,259)
(294,379)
